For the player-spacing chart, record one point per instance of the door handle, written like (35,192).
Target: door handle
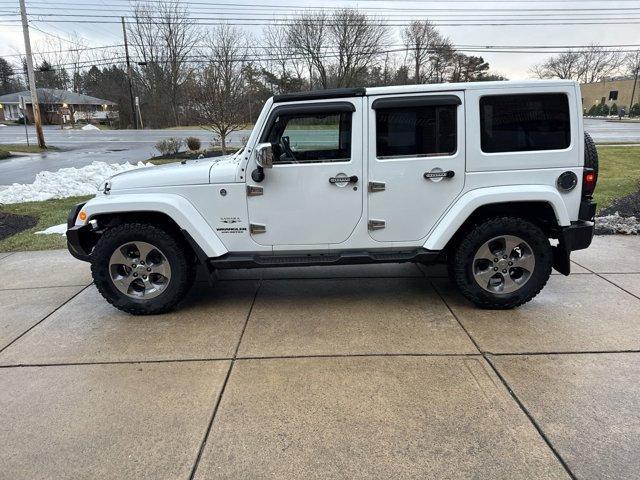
(447,174)
(344,179)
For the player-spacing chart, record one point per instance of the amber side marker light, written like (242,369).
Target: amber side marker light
(82,215)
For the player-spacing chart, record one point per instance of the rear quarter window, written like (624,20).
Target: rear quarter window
(525,122)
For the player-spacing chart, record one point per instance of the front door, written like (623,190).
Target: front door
(416,154)
(312,195)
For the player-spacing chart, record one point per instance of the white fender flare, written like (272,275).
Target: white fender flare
(178,208)
(471,201)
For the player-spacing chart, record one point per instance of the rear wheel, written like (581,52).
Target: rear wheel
(141,268)
(502,263)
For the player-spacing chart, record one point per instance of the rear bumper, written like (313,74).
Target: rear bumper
(577,236)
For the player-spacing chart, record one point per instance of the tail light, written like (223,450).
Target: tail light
(589,180)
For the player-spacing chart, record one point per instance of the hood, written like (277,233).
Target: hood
(192,172)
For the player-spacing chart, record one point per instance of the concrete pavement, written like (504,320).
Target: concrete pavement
(377,371)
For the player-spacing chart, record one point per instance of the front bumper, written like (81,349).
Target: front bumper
(77,235)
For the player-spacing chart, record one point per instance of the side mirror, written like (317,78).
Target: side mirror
(264,155)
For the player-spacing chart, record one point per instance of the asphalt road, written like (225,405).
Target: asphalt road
(80,147)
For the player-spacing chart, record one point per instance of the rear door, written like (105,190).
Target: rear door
(312,195)
(416,154)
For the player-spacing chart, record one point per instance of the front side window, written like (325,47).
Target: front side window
(522,123)
(613,95)
(311,137)
(416,131)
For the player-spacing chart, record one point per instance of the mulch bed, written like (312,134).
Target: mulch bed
(622,216)
(11,224)
(627,206)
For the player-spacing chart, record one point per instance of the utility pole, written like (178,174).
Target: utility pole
(32,77)
(126,53)
(635,79)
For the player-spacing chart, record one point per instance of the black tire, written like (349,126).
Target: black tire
(462,258)
(177,254)
(590,153)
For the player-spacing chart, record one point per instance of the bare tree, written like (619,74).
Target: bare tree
(308,37)
(163,36)
(587,66)
(566,66)
(598,63)
(221,86)
(420,39)
(359,41)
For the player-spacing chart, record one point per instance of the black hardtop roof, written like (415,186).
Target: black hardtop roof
(319,94)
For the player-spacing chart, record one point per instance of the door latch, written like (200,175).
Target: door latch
(254,191)
(377,224)
(257,228)
(377,186)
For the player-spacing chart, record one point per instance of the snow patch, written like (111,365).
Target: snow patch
(90,127)
(612,224)
(56,229)
(66,182)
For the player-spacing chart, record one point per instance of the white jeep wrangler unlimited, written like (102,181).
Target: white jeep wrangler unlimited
(493,178)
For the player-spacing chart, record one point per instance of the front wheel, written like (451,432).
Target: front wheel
(141,269)
(502,263)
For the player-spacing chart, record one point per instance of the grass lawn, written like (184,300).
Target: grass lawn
(22,147)
(619,173)
(48,213)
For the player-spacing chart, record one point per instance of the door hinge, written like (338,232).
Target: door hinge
(257,228)
(254,191)
(377,186)
(377,224)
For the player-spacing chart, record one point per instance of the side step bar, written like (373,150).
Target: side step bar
(234,260)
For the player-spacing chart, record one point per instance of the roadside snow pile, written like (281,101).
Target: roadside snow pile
(56,229)
(66,182)
(90,127)
(612,224)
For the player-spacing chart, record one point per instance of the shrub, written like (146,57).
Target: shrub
(193,143)
(635,110)
(593,111)
(169,146)
(613,110)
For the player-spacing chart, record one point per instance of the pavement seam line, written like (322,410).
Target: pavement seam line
(244,358)
(511,392)
(607,280)
(196,463)
(535,424)
(7,256)
(44,318)
(44,287)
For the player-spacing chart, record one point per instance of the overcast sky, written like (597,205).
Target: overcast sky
(512,65)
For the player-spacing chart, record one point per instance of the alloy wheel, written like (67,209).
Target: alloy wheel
(139,270)
(503,264)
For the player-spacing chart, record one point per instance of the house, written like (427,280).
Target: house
(610,91)
(59,106)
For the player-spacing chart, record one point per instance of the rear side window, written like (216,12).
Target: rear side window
(523,123)
(416,131)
